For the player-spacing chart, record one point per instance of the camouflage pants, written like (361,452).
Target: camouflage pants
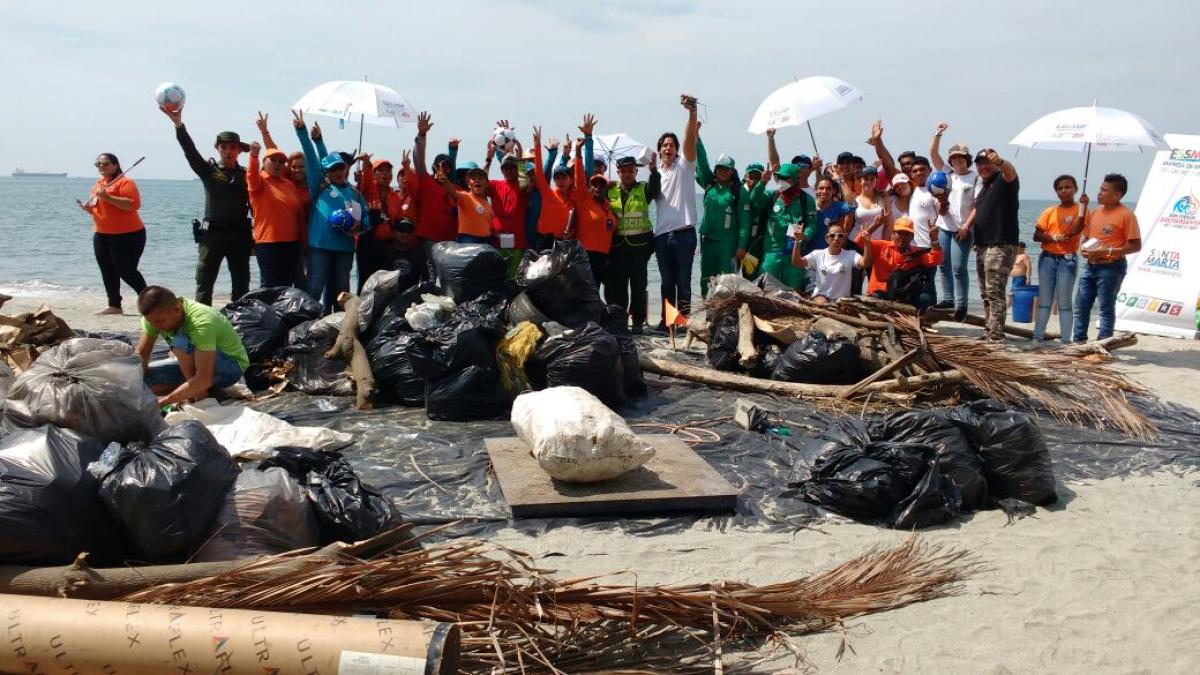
(993,264)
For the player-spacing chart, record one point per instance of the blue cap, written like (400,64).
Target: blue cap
(466,166)
(331,160)
(803,161)
(561,170)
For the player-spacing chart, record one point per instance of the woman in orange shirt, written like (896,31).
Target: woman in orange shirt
(120,236)
(594,222)
(474,209)
(1058,230)
(278,217)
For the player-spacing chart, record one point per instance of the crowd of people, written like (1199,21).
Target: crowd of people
(892,227)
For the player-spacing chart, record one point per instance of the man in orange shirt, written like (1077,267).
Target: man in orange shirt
(899,272)
(120,236)
(1112,233)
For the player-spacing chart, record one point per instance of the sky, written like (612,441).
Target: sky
(86,72)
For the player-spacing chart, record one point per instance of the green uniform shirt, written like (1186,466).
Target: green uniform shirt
(719,221)
(208,330)
(801,212)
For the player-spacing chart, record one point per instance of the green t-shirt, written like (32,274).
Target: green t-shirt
(208,330)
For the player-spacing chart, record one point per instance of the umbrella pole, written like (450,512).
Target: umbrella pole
(1087,163)
(361,120)
(816,152)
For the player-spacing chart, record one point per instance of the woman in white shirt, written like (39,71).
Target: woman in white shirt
(830,268)
(955,239)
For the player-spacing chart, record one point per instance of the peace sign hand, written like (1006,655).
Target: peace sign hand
(298,119)
(261,123)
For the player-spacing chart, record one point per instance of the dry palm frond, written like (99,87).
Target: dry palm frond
(517,618)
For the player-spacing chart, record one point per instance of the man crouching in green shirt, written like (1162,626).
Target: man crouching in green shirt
(207,353)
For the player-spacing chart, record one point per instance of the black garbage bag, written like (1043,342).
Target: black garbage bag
(265,513)
(390,354)
(317,335)
(935,500)
(815,359)
(292,305)
(560,284)
(473,393)
(522,309)
(258,325)
(379,290)
(769,354)
(722,344)
(1016,461)
(469,338)
(467,271)
(957,458)
(587,357)
(346,508)
(314,374)
(49,507)
(92,386)
(164,494)
(616,323)
(392,316)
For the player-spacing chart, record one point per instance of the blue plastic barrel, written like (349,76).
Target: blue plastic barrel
(1022,304)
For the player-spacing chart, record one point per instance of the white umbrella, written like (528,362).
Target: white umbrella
(1081,129)
(615,146)
(801,101)
(371,103)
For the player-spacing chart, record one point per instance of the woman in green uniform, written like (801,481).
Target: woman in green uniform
(792,221)
(725,226)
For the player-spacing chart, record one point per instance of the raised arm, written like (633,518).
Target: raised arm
(261,123)
(539,171)
(654,184)
(772,151)
(589,157)
(254,180)
(691,132)
(423,125)
(312,163)
(194,159)
(881,151)
(704,172)
(1007,171)
(935,146)
(318,139)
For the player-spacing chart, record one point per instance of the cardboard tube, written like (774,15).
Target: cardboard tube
(55,635)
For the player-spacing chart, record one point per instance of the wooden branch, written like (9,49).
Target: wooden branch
(1102,347)
(747,354)
(364,379)
(976,320)
(882,373)
(716,378)
(348,348)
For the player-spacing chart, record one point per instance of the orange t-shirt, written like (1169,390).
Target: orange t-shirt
(474,214)
(275,202)
(1056,220)
(1113,227)
(594,221)
(556,210)
(109,219)
(888,258)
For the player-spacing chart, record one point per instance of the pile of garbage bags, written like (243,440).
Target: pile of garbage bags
(919,468)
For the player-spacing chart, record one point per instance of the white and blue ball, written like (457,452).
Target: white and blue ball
(170,96)
(504,138)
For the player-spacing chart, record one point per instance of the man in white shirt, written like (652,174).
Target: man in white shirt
(675,213)
(922,208)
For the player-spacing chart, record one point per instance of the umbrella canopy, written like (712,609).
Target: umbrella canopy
(1075,129)
(801,101)
(370,103)
(618,145)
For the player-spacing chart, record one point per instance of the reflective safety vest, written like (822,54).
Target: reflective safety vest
(633,216)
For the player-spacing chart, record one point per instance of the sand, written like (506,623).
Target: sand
(1104,582)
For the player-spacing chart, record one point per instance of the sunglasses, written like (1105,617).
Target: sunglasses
(835,235)
(104,163)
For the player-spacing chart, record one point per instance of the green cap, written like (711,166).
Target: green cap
(726,161)
(788,172)
(751,168)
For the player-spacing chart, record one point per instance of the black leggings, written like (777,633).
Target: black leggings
(118,256)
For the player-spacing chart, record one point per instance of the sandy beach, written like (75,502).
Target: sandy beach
(1104,581)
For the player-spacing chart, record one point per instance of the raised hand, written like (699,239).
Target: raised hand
(876,133)
(589,123)
(503,124)
(453,143)
(261,122)
(298,119)
(688,101)
(817,164)
(551,144)
(578,145)
(940,128)
(491,148)
(176,116)
(424,123)
(255,148)
(993,157)
(771,133)
(537,138)
(315,132)
(405,160)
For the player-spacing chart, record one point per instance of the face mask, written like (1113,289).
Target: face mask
(784,184)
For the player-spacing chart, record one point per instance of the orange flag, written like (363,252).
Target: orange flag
(672,315)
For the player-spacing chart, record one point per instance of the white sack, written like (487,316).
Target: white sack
(248,434)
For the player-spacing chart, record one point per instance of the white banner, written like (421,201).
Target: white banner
(1159,295)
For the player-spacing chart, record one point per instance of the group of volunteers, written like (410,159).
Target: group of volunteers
(892,224)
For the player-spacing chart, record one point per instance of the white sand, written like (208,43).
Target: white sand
(1106,581)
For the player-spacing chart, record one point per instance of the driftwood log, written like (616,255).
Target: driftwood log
(348,348)
(1102,347)
(717,378)
(747,354)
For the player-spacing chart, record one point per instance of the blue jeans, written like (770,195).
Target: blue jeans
(472,239)
(675,252)
(226,372)
(328,274)
(1098,282)
(278,263)
(1056,280)
(953,270)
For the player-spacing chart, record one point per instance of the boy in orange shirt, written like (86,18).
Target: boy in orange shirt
(1058,231)
(1115,231)
(899,271)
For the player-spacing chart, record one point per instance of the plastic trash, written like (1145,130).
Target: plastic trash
(346,508)
(815,359)
(164,494)
(522,309)
(312,373)
(258,325)
(432,312)
(722,351)
(265,513)
(316,335)
(957,458)
(49,507)
(468,338)
(1016,461)
(378,291)
(390,354)
(249,434)
(6,379)
(473,393)
(92,386)
(575,437)
(633,380)
(292,305)
(513,352)
(934,500)
(467,271)
(391,317)
(587,357)
(560,284)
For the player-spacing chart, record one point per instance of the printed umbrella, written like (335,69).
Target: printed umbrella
(615,146)
(371,103)
(799,102)
(1081,129)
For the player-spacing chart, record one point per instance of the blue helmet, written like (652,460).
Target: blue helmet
(341,221)
(938,183)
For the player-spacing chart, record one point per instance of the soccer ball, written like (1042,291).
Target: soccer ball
(342,221)
(938,183)
(170,96)
(504,138)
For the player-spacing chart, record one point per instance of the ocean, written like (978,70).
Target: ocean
(46,249)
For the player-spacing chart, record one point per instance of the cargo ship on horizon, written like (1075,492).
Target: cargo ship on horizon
(22,173)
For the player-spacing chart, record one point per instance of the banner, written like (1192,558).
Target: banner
(1159,295)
